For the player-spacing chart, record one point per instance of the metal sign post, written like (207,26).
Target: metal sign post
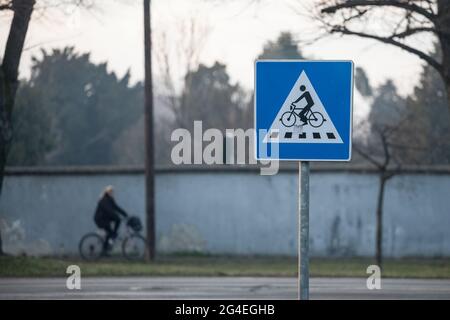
(303,231)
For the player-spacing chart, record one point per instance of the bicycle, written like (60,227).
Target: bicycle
(133,244)
(289,118)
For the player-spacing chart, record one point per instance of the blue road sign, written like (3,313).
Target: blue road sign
(303,110)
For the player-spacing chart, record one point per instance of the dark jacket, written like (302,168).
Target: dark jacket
(107,210)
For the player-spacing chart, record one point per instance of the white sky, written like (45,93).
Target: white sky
(237,32)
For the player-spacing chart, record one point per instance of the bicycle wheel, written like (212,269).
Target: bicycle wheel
(316,119)
(133,247)
(91,246)
(288,119)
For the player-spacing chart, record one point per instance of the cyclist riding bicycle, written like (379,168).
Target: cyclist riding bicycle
(309,104)
(106,214)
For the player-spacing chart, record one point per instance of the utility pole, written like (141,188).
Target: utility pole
(149,149)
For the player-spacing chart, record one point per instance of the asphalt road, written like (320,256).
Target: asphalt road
(220,288)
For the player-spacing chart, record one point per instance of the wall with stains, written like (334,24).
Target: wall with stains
(234,211)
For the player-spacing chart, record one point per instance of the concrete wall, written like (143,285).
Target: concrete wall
(235,211)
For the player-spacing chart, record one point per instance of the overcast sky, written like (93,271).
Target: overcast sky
(237,32)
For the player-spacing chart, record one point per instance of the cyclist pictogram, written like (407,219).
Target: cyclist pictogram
(305,115)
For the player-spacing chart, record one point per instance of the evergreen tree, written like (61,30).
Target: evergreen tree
(84,106)
(283,47)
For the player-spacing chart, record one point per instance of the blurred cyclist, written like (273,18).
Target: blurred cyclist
(107,214)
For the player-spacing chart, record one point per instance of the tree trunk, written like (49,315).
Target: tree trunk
(448,93)
(9,71)
(379,222)
(1,246)
(443,28)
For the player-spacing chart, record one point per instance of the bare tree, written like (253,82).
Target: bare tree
(382,160)
(177,61)
(9,75)
(387,149)
(9,69)
(394,22)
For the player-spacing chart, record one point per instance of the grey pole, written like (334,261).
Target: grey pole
(303,229)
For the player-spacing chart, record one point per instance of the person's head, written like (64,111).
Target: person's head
(302,88)
(109,190)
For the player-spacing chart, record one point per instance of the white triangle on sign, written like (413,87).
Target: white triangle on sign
(287,126)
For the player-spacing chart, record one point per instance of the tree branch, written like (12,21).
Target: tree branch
(431,61)
(351,4)
(367,157)
(411,31)
(5,7)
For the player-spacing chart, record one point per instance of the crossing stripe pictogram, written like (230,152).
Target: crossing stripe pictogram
(315,135)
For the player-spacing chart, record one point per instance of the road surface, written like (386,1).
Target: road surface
(220,288)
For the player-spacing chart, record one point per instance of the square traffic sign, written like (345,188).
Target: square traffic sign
(303,110)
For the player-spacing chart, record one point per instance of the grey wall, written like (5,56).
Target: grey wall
(235,212)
